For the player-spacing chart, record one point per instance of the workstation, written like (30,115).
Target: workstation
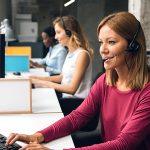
(28,109)
(31,123)
(44,113)
(35,109)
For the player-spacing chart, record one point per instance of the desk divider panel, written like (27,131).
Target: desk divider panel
(17,63)
(14,50)
(15,96)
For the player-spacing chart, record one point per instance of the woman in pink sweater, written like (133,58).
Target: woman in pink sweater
(121,95)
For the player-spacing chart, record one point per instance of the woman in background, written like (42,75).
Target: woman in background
(56,55)
(76,76)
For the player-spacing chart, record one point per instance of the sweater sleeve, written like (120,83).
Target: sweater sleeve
(61,55)
(42,61)
(75,120)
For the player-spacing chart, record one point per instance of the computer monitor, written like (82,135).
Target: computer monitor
(2,55)
(16,63)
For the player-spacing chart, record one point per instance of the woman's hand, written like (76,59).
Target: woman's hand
(34,146)
(39,83)
(35,64)
(40,78)
(37,77)
(13,137)
(43,82)
(32,64)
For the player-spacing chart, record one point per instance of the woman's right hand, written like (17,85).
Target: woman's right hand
(36,65)
(13,137)
(32,64)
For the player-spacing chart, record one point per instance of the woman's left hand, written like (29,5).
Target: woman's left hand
(39,83)
(34,146)
(42,83)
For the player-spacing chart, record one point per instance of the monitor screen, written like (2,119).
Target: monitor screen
(2,55)
(18,63)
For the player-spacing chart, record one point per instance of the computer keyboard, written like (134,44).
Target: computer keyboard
(14,146)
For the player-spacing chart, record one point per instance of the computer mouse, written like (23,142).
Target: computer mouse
(33,86)
(17,73)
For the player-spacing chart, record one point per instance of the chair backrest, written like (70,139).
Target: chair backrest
(97,76)
(38,48)
(16,50)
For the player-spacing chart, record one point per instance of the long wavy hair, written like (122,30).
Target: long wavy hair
(77,37)
(125,24)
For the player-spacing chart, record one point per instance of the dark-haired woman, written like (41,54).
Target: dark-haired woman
(54,60)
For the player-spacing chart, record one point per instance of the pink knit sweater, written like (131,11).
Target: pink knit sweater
(125,118)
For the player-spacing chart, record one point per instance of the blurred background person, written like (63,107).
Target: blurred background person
(56,55)
(76,77)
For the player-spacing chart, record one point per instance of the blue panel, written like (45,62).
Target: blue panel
(16,63)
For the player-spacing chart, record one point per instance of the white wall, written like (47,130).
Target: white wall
(140,8)
(134,7)
(5,9)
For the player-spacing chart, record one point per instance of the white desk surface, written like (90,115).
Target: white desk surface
(38,72)
(45,100)
(30,123)
(33,72)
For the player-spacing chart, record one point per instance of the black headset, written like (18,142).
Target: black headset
(133,45)
(68,32)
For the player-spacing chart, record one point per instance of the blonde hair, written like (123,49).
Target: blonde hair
(125,24)
(77,37)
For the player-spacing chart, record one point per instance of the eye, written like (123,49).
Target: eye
(100,43)
(111,42)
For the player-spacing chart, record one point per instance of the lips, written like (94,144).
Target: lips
(107,58)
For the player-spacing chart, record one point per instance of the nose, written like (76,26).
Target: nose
(56,36)
(103,49)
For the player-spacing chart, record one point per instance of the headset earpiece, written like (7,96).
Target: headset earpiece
(68,32)
(133,45)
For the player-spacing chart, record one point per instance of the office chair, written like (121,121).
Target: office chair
(89,134)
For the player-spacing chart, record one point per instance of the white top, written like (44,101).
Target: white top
(68,70)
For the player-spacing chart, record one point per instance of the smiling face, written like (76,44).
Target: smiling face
(112,48)
(61,36)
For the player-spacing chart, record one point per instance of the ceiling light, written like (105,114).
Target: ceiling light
(69,2)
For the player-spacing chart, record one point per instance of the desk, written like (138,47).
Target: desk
(30,123)
(45,100)
(46,110)
(38,72)
(33,72)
